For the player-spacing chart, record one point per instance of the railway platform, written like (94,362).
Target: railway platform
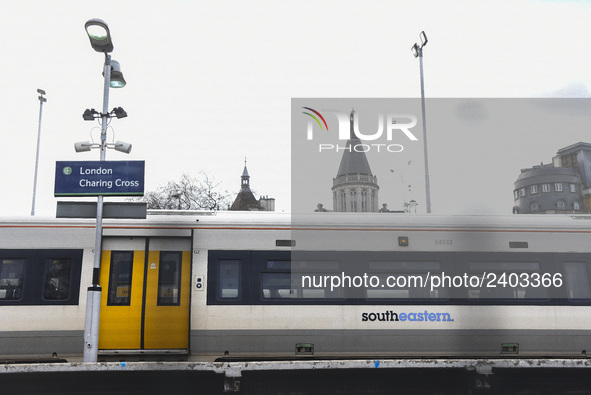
(375,376)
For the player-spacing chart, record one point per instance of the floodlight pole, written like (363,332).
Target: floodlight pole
(418,52)
(427,180)
(93,301)
(42,100)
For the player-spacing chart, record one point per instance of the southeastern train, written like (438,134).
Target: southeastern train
(260,285)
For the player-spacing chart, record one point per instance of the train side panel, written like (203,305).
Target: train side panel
(48,315)
(232,323)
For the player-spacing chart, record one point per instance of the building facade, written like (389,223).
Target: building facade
(563,186)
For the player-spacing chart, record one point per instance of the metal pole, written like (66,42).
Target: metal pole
(93,300)
(41,101)
(427,183)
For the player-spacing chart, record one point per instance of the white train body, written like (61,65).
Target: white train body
(231,285)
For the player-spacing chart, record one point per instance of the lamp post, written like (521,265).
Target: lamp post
(417,51)
(42,100)
(100,40)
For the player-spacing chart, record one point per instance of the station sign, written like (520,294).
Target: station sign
(96,178)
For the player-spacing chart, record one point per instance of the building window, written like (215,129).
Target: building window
(573,188)
(533,189)
(561,205)
(558,187)
(576,206)
(516,194)
(545,187)
(353,196)
(534,206)
(522,192)
(364,200)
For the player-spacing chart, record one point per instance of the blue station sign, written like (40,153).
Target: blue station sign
(94,178)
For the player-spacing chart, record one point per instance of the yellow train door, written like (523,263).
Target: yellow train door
(146,291)
(166,313)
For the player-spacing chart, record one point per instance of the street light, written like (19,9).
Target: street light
(92,114)
(41,101)
(417,51)
(99,35)
(117,80)
(100,40)
(119,112)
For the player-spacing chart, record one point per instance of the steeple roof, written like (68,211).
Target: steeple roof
(245,201)
(353,162)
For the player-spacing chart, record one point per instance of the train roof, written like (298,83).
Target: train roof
(256,219)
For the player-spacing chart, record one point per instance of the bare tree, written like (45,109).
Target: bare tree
(189,193)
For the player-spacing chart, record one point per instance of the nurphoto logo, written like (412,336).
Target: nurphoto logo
(390,127)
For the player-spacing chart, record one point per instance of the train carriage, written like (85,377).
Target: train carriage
(259,285)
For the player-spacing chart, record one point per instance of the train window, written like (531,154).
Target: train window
(577,280)
(40,277)
(120,278)
(169,279)
(504,280)
(403,280)
(12,272)
(229,278)
(56,284)
(315,270)
(278,286)
(289,286)
(299,279)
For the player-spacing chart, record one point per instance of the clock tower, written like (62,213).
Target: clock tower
(355,188)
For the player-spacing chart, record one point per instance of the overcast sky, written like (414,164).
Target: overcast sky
(209,83)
